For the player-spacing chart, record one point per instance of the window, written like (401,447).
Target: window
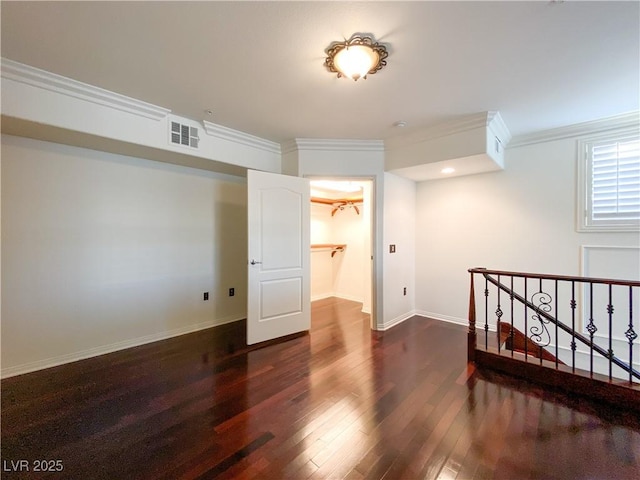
(609,182)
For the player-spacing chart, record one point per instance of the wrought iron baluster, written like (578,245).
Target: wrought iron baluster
(498,315)
(541,324)
(544,308)
(538,332)
(573,326)
(591,328)
(526,325)
(558,318)
(486,314)
(630,333)
(610,313)
(511,308)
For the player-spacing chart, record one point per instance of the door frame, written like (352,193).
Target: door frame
(373,316)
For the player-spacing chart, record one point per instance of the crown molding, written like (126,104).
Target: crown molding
(625,120)
(333,145)
(36,77)
(489,119)
(236,136)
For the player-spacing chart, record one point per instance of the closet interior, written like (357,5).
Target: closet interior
(341,240)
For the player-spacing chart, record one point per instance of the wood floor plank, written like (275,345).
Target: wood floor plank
(341,402)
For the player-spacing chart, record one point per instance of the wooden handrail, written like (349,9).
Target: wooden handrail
(606,281)
(576,335)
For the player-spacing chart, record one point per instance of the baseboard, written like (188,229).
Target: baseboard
(347,297)
(114,347)
(449,319)
(336,295)
(398,320)
(322,296)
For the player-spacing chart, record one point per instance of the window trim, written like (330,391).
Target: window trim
(583,217)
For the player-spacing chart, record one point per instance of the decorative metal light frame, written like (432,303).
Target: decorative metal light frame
(367,45)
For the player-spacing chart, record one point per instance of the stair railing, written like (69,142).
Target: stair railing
(542,309)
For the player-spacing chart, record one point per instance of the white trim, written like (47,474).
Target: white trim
(236,136)
(625,120)
(583,250)
(456,320)
(396,321)
(348,297)
(36,77)
(322,297)
(584,180)
(336,295)
(114,347)
(332,145)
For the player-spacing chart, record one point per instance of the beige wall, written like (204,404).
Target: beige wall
(103,251)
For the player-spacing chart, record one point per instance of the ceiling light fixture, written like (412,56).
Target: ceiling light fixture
(448,170)
(357,57)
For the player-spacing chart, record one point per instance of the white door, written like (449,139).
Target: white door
(279,298)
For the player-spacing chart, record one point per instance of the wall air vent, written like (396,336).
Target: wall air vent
(184,135)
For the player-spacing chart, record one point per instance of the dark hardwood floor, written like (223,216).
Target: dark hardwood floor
(341,402)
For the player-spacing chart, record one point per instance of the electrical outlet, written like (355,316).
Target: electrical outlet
(206,296)
(232,292)
(392,248)
(404,291)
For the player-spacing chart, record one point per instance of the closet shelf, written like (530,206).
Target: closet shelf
(329,247)
(339,203)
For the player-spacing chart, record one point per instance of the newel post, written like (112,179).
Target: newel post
(471,336)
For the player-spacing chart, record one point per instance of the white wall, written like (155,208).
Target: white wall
(321,261)
(348,266)
(103,251)
(342,275)
(399,230)
(519,219)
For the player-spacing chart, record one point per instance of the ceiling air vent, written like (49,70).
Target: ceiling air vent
(184,135)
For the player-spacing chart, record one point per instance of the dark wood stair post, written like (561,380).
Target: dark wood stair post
(471,336)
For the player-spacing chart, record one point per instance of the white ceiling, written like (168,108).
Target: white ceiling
(259,65)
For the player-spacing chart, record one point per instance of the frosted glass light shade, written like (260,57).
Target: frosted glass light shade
(356,58)
(356,61)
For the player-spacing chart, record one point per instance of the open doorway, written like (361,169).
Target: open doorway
(341,236)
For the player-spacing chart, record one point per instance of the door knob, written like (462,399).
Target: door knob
(253,262)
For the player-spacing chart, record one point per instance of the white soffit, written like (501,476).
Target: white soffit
(471,165)
(470,144)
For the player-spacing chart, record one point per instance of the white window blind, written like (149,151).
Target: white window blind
(616,180)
